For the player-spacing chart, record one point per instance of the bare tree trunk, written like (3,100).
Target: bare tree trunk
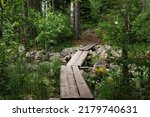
(24,28)
(1,19)
(72,15)
(35,4)
(125,69)
(77,19)
(53,5)
(25,9)
(144,5)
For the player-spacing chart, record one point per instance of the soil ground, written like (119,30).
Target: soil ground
(88,36)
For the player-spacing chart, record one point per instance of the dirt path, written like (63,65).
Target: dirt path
(88,36)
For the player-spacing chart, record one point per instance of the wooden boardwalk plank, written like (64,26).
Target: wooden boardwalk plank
(82,86)
(81,59)
(73,87)
(88,47)
(74,58)
(69,70)
(72,83)
(64,87)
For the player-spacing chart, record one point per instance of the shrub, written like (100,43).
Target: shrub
(52,28)
(141,27)
(31,80)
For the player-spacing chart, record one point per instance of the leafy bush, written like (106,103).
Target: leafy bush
(141,27)
(31,80)
(53,28)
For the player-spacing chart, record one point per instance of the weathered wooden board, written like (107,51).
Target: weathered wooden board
(74,58)
(72,83)
(73,87)
(69,70)
(81,59)
(88,47)
(64,87)
(83,88)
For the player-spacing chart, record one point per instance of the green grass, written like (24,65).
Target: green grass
(35,80)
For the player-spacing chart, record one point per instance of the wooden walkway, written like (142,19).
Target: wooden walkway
(72,83)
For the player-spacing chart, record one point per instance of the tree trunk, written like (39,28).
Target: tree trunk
(1,19)
(44,8)
(144,5)
(125,69)
(24,27)
(77,19)
(72,15)
(35,4)
(25,9)
(53,5)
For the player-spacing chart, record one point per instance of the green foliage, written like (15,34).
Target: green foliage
(32,80)
(122,23)
(141,27)
(53,28)
(85,12)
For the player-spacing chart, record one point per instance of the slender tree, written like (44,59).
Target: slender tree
(35,4)
(72,15)
(77,19)
(53,5)
(1,18)
(25,9)
(144,5)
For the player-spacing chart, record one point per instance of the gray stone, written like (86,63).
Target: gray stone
(67,58)
(116,54)
(39,55)
(54,56)
(30,55)
(100,50)
(68,51)
(102,63)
